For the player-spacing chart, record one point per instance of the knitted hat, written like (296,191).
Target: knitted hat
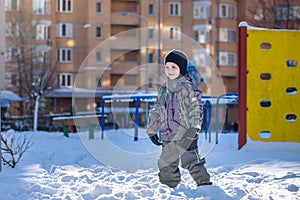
(179,58)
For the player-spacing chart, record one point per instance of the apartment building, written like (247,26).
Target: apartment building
(275,14)
(64,32)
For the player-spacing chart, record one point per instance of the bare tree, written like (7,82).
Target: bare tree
(278,14)
(32,58)
(13,148)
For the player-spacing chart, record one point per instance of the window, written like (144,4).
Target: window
(259,14)
(99,82)
(201,10)
(64,30)
(65,79)
(12,54)
(64,55)
(202,33)
(12,5)
(278,13)
(98,32)
(202,36)
(175,33)
(227,11)
(281,13)
(99,6)
(41,58)
(285,13)
(201,57)
(41,7)
(226,35)
(296,12)
(150,83)
(41,29)
(11,79)
(65,6)
(41,32)
(151,57)
(174,9)
(98,57)
(151,9)
(12,29)
(226,58)
(151,33)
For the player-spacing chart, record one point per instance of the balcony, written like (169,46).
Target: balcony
(124,67)
(228,71)
(117,19)
(125,41)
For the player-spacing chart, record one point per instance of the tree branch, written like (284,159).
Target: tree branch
(14,148)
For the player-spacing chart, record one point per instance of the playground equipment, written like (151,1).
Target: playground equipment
(208,101)
(137,98)
(269,102)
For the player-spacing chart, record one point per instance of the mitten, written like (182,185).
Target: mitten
(154,140)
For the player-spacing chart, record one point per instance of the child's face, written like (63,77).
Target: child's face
(172,70)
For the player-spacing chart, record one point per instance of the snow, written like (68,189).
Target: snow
(245,24)
(56,167)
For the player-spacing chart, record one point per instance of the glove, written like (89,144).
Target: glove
(154,140)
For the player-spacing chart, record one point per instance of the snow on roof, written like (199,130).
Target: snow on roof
(245,24)
(274,27)
(68,92)
(150,97)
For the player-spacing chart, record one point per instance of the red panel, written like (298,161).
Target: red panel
(242,106)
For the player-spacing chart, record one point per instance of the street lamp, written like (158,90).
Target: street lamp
(158,42)
(146,23)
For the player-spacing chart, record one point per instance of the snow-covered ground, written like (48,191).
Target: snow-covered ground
(56,167)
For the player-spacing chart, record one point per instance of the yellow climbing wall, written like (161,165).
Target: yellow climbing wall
(273,85)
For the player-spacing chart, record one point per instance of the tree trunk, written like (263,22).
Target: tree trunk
(36,112)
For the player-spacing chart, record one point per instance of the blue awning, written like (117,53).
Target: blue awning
(6,97)
(5,103)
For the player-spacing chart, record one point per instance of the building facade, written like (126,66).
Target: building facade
(275,14)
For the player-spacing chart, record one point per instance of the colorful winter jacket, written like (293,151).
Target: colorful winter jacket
(177,108)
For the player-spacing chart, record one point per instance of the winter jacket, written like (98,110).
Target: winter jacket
(177,108)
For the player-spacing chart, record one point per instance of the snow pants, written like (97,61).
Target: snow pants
(168,161)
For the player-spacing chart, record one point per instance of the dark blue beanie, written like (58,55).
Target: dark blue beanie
(179,58)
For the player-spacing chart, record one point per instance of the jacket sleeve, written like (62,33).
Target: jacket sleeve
(154,116)
(153,120)
(195,107)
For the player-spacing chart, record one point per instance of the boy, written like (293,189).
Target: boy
(178,114)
